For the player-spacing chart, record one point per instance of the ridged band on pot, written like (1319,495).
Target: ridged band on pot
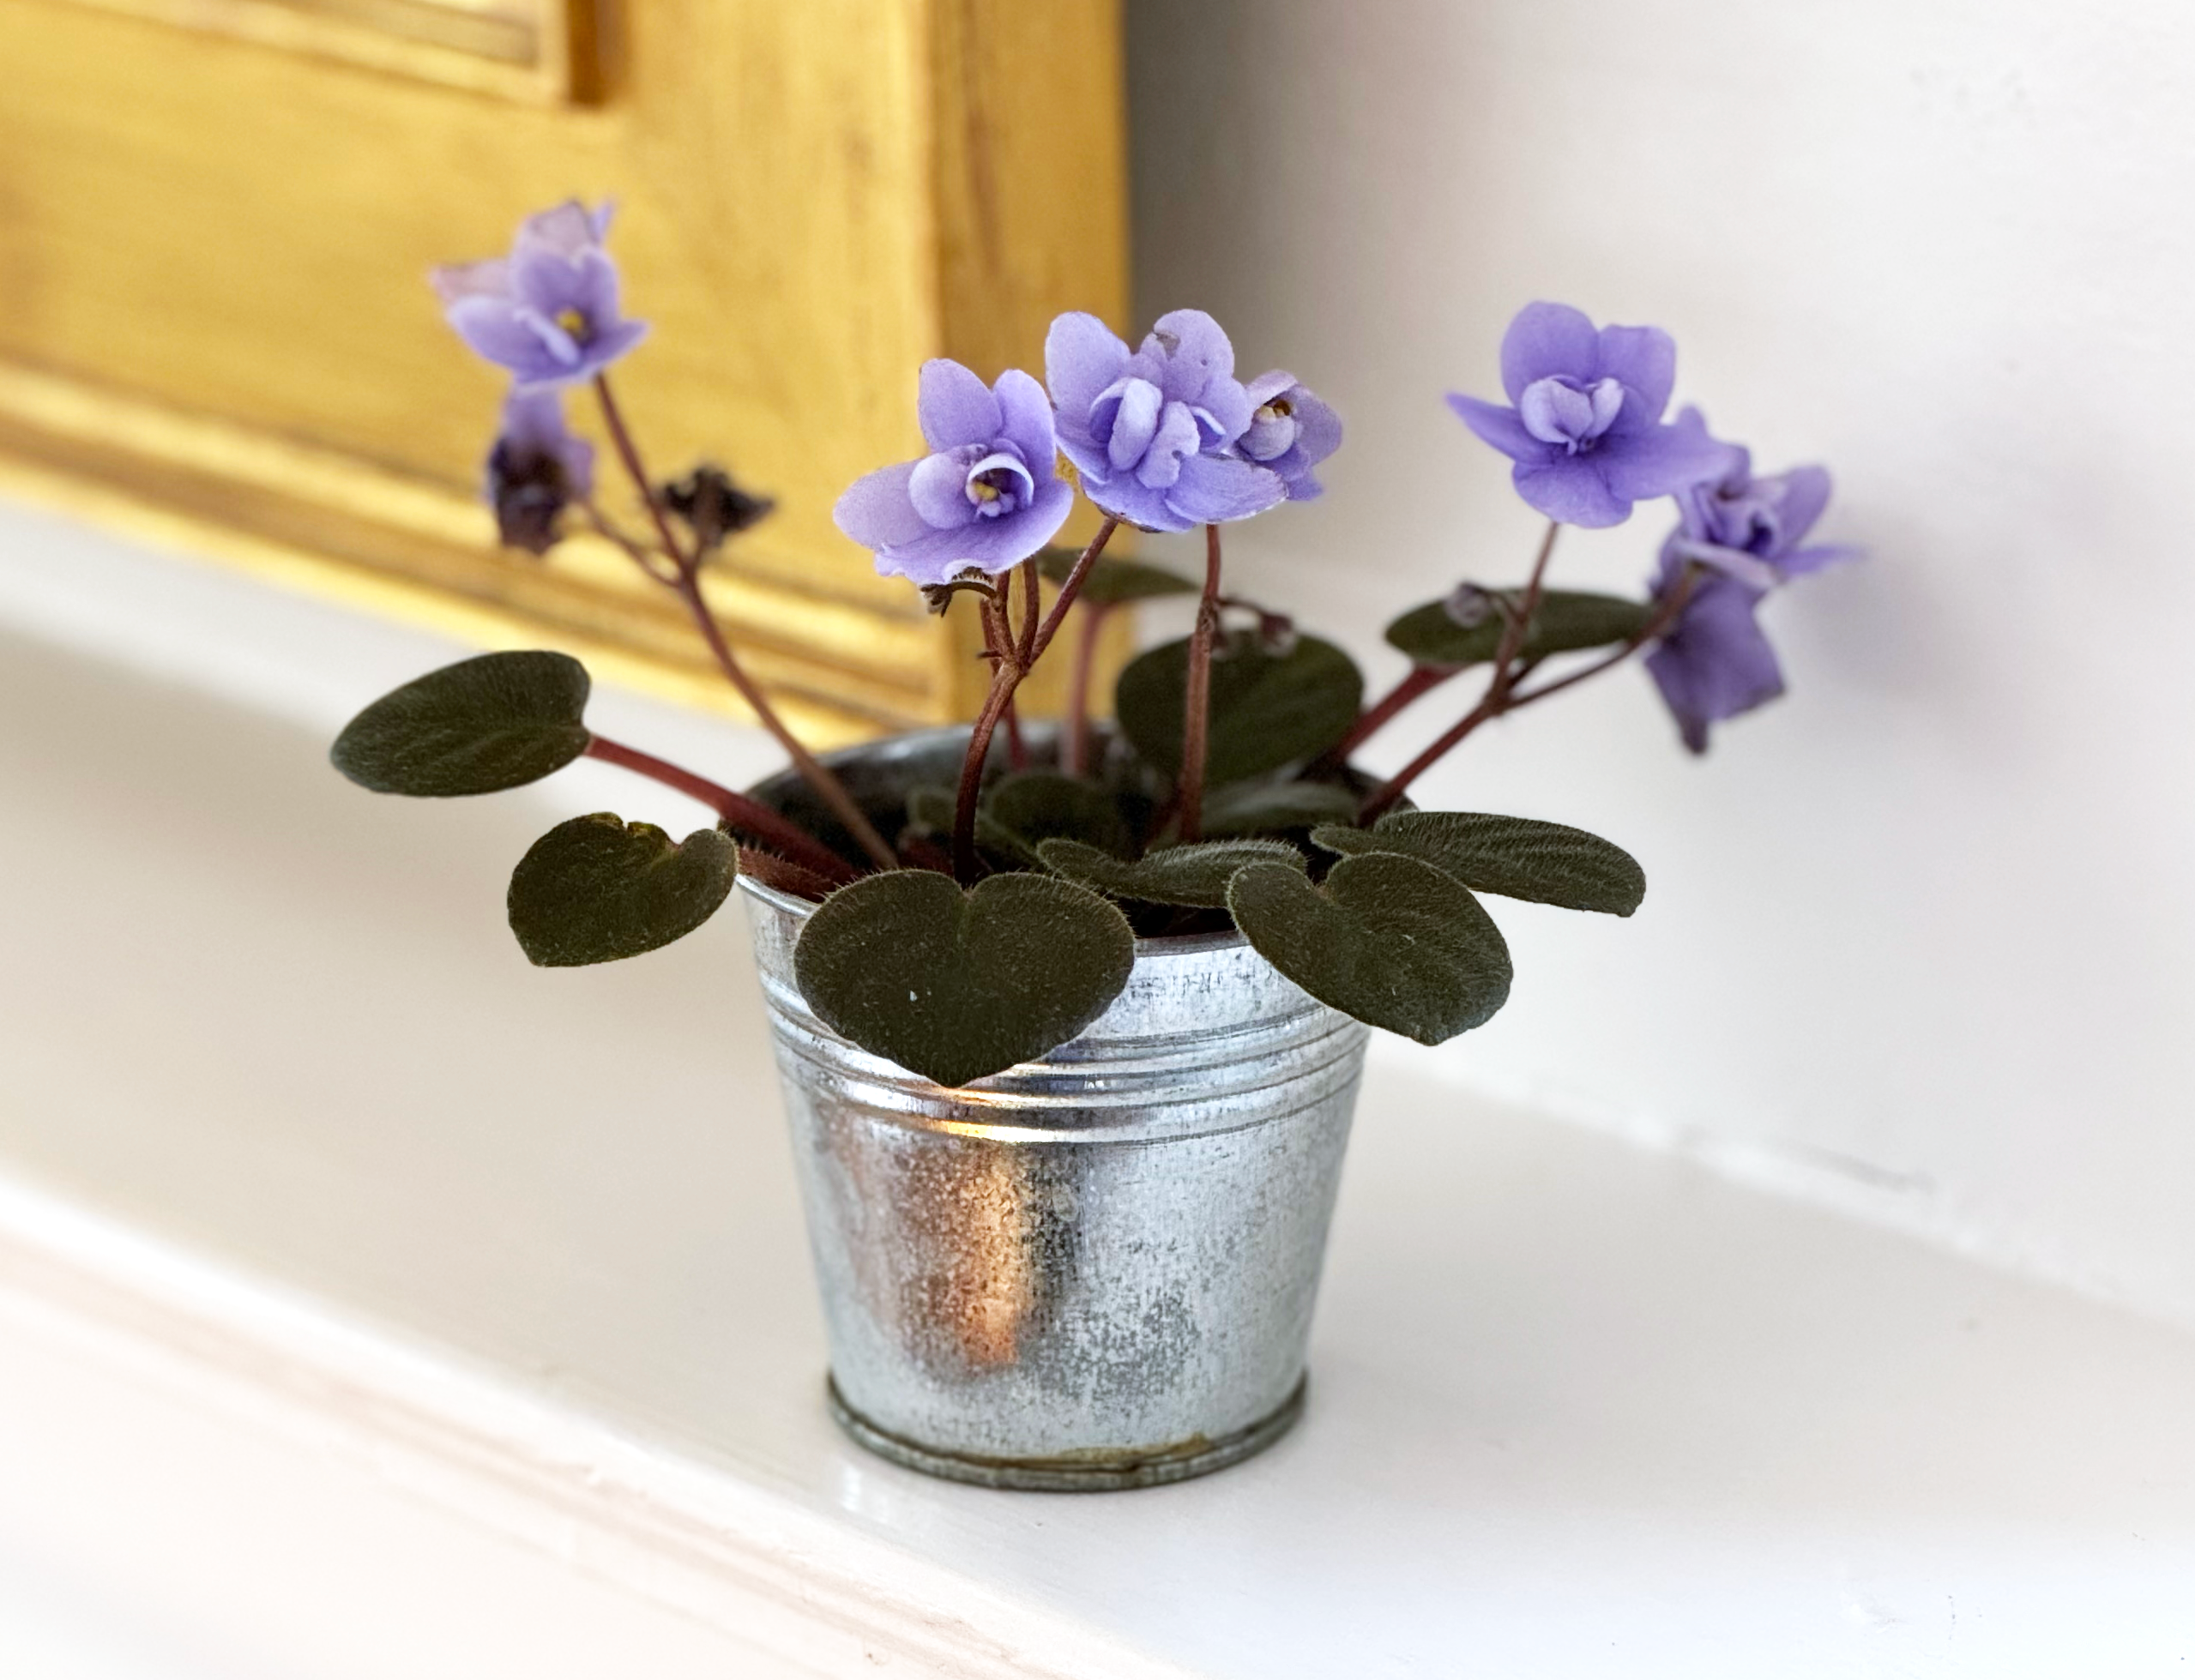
(1095,1270)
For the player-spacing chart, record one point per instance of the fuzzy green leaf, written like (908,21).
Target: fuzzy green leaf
(953,984)
(1566,620)
(1038,805)
(1267,709)
(1270,807)
(1112,581)
(1190,874)
(477,726)
(1389,939)
(597,889)
(1545,861)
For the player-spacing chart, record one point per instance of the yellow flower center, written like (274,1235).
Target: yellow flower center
(983,490)
(573,323)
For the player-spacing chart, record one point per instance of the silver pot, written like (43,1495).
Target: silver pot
(1093,1271)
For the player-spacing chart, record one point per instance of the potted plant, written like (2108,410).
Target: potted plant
(1070,1019)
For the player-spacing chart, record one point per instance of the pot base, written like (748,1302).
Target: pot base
(1078,1472)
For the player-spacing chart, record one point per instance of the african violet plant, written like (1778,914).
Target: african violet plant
(978,926)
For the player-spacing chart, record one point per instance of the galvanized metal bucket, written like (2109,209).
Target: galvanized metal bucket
(1096,1271)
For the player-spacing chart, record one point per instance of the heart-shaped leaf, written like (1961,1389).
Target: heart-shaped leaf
(1545,861)
(1038,805)
(953,984)
(1267,709)
(1112,581)
(477,726)
(1389,939)
(1270,808)
(597,889)
(1190,875)
(1566,620)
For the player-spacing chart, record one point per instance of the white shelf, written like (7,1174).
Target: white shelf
(373,1304)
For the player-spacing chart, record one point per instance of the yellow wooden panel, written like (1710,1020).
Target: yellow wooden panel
(211,289)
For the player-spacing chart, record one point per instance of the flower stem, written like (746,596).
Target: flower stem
(1514,699)
(1197,700)
(1074,748)
(736,811)
(1006,675)
(1423,679)
(687,584)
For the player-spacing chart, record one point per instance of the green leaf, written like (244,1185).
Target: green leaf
(1037,805)
(1389,939)
(477,726)
(1566,620)
(1112,581)
(1268,808)
(1514,856)
(1267,709)
(597,889)
(1190,875)
(954,985)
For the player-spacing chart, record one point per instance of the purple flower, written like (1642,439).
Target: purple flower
(534,469)
(1152,431)
(1290,432)
(988,496)
(548,312)
(1737,538)
(1586,430)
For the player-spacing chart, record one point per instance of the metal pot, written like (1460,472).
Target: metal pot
(1093,1271)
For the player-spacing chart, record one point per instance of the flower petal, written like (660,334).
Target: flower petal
(1716,663)
(938,490)
(877,512)
(1225,409)
(1267,386)
(1124,498)
(1547,339)
(1804,493)
(1198,351)
(1213,488)
(564,232)
(1135,405)
(1504,428)
(955,407)
(1645,359)
(1660,460)
(1025,420)
(490,279)
(1082,357)
(1570,490)
(495,330)
(1318,428)
(1176,438)
(992,546)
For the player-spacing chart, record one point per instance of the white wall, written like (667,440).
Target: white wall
(1921,935)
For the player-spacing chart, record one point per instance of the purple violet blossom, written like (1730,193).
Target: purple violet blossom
(1290,432)
(1738,537)
(1152,431)
(1585,429)
(535,469)
(548,312)
(988,496)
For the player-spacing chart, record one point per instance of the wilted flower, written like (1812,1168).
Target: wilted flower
(713,506)
(1290,432)
(548,312)
(1152,431)
(1586,430)
(535,469)
(1737,538)
(988,496)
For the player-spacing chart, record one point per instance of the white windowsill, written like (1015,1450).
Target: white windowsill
(373,1304)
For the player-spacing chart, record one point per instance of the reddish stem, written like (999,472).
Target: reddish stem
(1006,676)
(736,811)
(687,584)
(1423,679)
(1197,699)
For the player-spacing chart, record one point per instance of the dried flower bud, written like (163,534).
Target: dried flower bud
(1470,605)
(534,470)
(713,507)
